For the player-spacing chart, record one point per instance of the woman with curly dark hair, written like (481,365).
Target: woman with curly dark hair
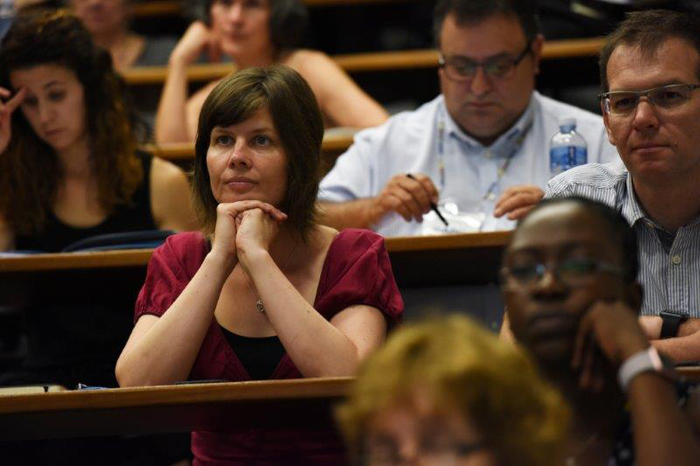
(69,166)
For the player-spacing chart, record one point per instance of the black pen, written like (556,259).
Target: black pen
(433,206)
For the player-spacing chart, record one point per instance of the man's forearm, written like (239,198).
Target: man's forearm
(351,214)
(680,349)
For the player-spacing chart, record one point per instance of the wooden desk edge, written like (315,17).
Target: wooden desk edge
(363,62)
(185,151)
(456,241)
(334,387)
(174,8)
(692,373)
(140,257)
(75,260)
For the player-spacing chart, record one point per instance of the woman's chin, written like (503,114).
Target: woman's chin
(232,49)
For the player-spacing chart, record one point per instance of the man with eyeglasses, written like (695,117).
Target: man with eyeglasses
(650,72)
(569,280)
(478,151)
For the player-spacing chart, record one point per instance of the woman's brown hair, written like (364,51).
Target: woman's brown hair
(29,169)
(299,125)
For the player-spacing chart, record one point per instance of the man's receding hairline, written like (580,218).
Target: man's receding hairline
(650,52)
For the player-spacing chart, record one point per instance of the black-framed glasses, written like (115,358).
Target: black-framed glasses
(459,68)
(624,103)
(573,272)
(387,453)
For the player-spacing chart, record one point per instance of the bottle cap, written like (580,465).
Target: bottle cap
(567,124)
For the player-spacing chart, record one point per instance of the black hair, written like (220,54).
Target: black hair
(474,11)
(617,225)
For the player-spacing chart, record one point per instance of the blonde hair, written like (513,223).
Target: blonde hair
(468,370)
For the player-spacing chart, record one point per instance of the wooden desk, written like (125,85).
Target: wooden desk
(302,403)
(183,153)
(467,243)
(55,262)
(174,7)
(690,373)
(466,259)
(158,8)
(365,62)
(88,276)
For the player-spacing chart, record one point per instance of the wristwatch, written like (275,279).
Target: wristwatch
(671,323)
(648,360)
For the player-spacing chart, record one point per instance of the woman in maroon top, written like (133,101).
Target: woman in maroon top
(263,292)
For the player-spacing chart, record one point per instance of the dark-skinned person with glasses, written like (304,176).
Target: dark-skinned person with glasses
(569,280)
(478,151)
(650,74)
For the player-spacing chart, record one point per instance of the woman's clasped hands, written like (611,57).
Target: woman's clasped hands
(244,229)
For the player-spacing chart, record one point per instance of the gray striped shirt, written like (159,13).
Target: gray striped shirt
(669,276)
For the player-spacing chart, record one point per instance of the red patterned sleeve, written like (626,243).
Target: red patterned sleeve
(358,271)
(170,269)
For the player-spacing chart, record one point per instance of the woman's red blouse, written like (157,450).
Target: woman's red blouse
(356,271)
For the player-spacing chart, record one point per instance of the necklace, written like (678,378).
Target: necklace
(259,304)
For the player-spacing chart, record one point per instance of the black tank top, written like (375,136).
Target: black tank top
(71,342)
(134,216)
(259,355)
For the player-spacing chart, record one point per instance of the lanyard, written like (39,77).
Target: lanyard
(489,195)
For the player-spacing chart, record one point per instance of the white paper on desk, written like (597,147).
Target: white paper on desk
(463,221)
(459,222)
(16,254)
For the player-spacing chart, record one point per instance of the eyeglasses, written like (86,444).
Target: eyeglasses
(387,453)
(624,103)
(460,68)
(573,272)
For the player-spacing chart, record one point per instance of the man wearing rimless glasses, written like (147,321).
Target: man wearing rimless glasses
(650,71)
(477,149)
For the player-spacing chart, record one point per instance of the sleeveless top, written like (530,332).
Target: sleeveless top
(134,216)
(356,270)
(76,340)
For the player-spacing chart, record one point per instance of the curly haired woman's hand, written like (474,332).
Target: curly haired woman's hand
(7,107)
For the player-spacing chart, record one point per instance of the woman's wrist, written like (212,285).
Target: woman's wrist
(255,259)
(179,60)
(221,260)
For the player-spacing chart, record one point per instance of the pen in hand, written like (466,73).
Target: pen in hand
(433,206)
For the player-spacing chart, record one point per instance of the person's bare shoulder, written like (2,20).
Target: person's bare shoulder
(306,61)
(170,196)
(7,237)
(194,107)
(201,94)
(163,171)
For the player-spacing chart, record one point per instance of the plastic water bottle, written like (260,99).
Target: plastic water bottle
(567,148)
